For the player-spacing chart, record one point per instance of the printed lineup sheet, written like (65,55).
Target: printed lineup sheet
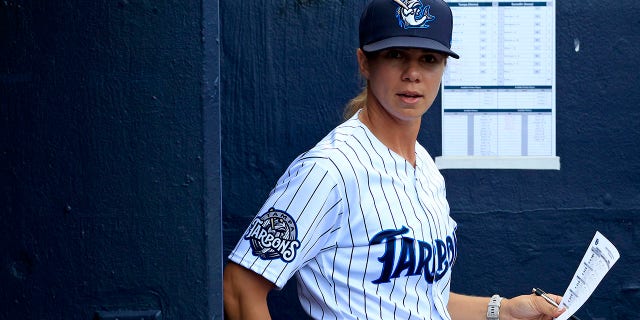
(597,261)
(498,99)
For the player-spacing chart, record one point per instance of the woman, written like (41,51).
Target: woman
(361,220)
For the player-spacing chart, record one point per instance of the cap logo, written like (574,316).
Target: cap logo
(413,14)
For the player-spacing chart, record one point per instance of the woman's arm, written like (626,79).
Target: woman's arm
(524,307)
(245,293)
(463,307)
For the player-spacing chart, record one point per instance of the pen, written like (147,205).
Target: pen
(541,293)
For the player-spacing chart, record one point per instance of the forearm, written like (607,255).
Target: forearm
(462,307)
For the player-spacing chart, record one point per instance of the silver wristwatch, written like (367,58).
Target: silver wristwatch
(493,310)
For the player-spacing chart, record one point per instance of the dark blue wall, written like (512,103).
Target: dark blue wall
(110,156)
(289,67)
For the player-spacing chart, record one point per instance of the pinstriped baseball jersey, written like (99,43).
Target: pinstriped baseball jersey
(367,235)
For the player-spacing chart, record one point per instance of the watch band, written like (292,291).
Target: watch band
(493,309)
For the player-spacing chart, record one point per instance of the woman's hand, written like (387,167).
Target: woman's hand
(530,307)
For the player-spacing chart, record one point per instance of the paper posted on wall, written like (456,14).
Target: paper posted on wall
(597,261)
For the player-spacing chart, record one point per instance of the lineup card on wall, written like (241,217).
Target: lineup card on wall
(498,99)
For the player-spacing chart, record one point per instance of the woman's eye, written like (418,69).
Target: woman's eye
(394,54)
(430,59)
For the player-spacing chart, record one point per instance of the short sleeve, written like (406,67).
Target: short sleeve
(298,220)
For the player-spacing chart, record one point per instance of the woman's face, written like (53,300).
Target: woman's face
(403,81)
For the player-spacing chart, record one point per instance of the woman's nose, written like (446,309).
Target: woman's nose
(411,72)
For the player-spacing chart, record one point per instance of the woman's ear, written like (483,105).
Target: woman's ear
(363,63)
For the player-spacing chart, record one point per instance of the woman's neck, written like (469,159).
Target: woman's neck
(399,136)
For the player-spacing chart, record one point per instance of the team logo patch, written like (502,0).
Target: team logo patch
(274,236)
(413,14)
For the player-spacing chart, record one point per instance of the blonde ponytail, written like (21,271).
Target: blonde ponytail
(355,104)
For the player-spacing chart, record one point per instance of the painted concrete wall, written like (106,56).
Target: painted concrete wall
(289,67)
(109,119)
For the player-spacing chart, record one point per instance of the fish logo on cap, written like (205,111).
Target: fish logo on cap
(413,14)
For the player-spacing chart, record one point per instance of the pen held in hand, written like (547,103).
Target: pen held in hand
(541,293)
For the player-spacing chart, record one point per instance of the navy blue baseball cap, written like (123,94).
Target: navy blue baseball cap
(426,24)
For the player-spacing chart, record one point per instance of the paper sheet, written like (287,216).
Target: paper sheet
(498,99)
(597,261)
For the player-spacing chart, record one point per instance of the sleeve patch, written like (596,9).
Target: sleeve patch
(273,235)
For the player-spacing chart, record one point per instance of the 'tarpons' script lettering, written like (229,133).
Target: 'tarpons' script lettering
(433,259)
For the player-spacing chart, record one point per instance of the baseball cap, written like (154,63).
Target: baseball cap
(426,24)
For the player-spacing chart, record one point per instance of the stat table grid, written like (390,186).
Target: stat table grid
(498,99)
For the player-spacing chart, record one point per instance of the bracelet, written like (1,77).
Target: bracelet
(493,310)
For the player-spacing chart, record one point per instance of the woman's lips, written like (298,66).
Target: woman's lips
(409,97)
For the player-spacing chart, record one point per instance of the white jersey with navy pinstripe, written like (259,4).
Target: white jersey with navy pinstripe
(367,235)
